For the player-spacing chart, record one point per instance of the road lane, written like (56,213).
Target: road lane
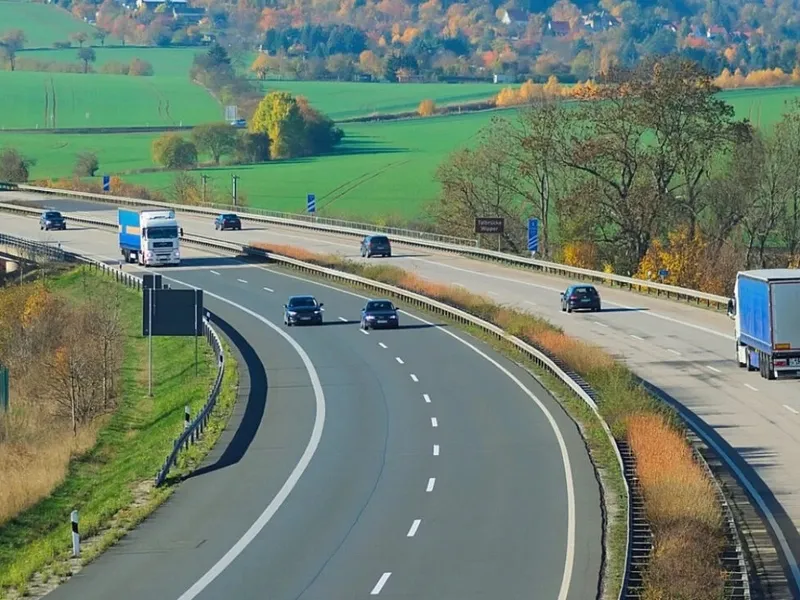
(481,514)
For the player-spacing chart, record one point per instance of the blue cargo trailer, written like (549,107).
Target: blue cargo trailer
(766,310)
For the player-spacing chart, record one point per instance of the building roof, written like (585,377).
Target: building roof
(559,26)
(517,15)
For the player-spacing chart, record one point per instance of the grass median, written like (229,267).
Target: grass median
(111,482)
(681,505)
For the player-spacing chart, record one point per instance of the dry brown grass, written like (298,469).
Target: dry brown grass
(35,451)
(680,499)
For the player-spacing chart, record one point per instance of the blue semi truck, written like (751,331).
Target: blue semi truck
(766,311)
(149,237)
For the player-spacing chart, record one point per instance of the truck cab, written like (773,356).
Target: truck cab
(149,237)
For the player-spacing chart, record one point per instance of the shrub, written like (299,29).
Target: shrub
(86,165)
(115,68)
(140,68)
(426,108)
(14,168)
(174,152)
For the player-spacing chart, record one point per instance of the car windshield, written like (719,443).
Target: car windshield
(161,233)
(304,302)
(52,215)
(380,306)
(380,241)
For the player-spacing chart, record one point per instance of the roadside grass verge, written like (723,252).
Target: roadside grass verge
(680,501)
(111,483)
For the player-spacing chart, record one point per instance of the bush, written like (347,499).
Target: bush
(426,108)
(174,152)
(252,148)
(62,45)
(115,68)
(14,168)
(86,165)
(140,68)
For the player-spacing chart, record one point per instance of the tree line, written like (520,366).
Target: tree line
(651,174)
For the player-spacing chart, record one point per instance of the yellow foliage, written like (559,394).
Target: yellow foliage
(552,88)
(426,108)
(683,257)
(730,54)
(760,78)
(35,304)
(581,254)
(507,97)
(260,66)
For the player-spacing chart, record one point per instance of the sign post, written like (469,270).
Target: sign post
(533,236)
(311,204)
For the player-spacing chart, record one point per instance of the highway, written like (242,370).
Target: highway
(684,351)
(415,463)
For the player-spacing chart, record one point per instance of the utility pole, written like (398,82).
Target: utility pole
(235,179)
(204,179)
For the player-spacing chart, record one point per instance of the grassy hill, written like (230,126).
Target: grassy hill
(103,100)
(43,24)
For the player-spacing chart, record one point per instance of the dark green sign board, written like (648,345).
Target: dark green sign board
(3,388)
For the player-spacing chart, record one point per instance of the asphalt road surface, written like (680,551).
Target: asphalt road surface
(440,470)
(686,352)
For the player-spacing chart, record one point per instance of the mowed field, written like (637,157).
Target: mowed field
(167,62)
(43,24)
(102,100)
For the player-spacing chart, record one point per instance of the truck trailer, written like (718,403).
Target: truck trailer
(149,237)
(766,312)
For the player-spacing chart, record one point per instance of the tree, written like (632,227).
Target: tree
(320,134)
(174,152)
(12,42)
(252,148)
(14,168)
(80,37)
(278,116)
(787,141)
(216,139)
(426,108)
(100,35)
(261,66)
(370,64)
(86,55)
(86,164)
(140,68)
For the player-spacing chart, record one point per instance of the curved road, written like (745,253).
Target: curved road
(438,471)
(684,351)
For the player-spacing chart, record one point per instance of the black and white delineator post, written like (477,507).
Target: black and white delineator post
(150,343)
(76,536)
(187,417)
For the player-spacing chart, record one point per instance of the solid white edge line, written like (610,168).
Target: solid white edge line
(431,483)
(313,442)
(570,549)
(398,359)
(790,409)
(379,586)
(434,422)
(414,378)
(414,527)
(427,398)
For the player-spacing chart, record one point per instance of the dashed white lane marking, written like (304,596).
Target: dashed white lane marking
(382,345)
(266,289)
(215,272)
(242,280)
(364,331)
(790,409)
(379,586)
(431,483)
(675,352)
(461,285)
(493,294)
(343,320)
(750,387)
(414,378)
(427,398)
(636,337)
(710,368)
(436,449)
(531,303)
(414,526)
(599,323)
(434,422)
(398,359)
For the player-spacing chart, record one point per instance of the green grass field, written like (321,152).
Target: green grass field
(342,100)
(129,449)
(167,62)
(103,100)
(43,24)
(383,170)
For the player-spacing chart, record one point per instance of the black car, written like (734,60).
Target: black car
(302,309)
(375,245)
(379,313)
(52,219)
(227,221)
(580,297)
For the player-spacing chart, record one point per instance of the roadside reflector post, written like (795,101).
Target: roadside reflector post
(76,537)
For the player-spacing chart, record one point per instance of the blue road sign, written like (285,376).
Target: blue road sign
(663,273)
(106,183)
(311,203)
(533,235)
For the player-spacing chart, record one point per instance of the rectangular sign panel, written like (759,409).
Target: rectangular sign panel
(172,312)
(533,235)
(151,281)
(490,225)
(311,203)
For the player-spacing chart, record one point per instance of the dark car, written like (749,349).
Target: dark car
(302,309)
(52,219)
(375,245)
(379,313)
(580,297)
(227,221)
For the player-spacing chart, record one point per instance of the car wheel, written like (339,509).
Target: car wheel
(389,255)
(239,228)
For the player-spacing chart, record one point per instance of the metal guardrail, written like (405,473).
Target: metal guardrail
(638,545)
(195,429)
(462,246)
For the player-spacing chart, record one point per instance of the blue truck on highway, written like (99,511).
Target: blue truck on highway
(766,311)
(149,237)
